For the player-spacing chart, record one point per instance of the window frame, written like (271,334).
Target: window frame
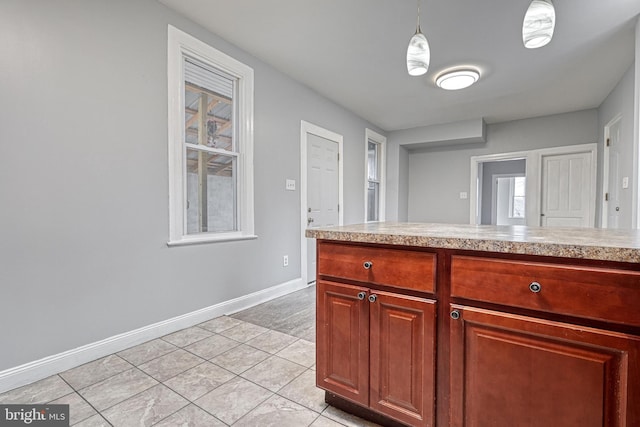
(181,44)
(512,197)
(381,142)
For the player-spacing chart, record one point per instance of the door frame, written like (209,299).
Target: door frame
(604,220)
(305,129)
(533,173)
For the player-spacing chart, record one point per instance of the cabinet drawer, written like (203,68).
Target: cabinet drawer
(392,267)
(595,293)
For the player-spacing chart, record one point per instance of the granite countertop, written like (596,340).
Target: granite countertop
(585,243)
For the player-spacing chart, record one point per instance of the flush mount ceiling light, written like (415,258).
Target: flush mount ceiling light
(457,79)
(538,25)
(418,53)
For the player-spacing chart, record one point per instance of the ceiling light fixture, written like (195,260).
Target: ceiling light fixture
(457,79)
(538,25)
(418,53)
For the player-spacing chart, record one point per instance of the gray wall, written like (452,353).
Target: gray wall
(619,101)
(437,175)
(84,177)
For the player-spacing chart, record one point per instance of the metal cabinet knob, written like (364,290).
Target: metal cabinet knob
(535,287)
(455,314)
(367,265)
(372,298)
(361,295)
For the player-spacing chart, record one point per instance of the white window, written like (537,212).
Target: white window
(210,143)
(375,178)
(517,197)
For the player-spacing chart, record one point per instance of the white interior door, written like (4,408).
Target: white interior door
(566,190)
(612,192)
(323,191)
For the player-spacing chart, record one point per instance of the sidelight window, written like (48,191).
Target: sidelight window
(375,185)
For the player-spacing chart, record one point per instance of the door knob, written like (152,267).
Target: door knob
(367,265)
(373,298)
(361,295)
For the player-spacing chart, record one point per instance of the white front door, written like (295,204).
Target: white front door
(322,187)
(566,190)
(612,195)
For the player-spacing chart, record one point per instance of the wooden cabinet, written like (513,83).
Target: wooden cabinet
(376,349)
(534,369)
(469,338)
(511,370)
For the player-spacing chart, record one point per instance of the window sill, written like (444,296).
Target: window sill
(210,239)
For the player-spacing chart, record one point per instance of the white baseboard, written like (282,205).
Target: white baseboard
(51,365)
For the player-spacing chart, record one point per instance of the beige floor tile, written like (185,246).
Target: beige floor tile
(347,419)
(171,364)
(301,352)
(233,399)
(325,422)
(95,421)
(273,373)
(39,392)
(200,380)
(241,358)
(116,389)
(244,332)
(146,408)
(147,351)
(272,341)
(187,336)
(79,409)
(303,390)
(96,371)
(278,412)
(212,346)
(191,416)
(220,324)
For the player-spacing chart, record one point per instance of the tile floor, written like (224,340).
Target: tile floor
(255,368)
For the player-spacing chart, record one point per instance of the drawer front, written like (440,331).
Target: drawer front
(590,292)
(391,267)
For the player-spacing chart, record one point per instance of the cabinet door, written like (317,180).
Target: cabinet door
(342,348)
(402,357)
(509,370)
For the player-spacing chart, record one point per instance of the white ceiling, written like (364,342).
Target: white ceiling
(353,52)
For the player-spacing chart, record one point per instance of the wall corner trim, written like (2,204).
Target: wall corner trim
(33,371)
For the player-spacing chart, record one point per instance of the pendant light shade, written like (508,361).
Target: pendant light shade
(538,25)
(418,52)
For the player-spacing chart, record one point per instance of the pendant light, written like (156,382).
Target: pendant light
(538,25)
(418,53)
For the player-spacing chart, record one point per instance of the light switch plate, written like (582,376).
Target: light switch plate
(290,185)
(463,195)
(625,182)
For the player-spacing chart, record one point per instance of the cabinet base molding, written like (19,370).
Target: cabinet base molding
(360,411)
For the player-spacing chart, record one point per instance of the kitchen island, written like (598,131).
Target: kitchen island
(460,325)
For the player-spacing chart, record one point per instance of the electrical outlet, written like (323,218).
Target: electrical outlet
(290,185)
(285,260)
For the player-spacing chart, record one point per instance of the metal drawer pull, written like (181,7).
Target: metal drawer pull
(372,298)
(367,264)
(455,314)
(535,287)
(361,295)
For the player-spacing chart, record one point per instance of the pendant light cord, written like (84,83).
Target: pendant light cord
(418,25)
